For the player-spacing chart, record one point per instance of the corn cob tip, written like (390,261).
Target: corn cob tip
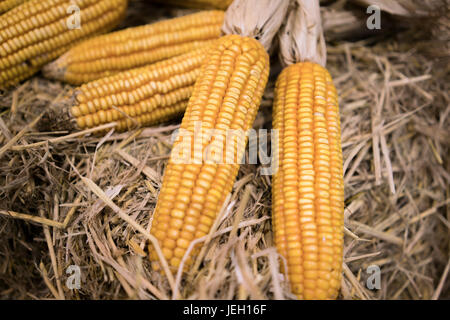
(58,117)
(56,69)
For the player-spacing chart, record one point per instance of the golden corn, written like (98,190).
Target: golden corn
(308,188)
(198,4)
(6,5)
(108,54)
(37,31)
(138,97)
(226,97)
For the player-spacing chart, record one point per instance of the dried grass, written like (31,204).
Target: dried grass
(87,199)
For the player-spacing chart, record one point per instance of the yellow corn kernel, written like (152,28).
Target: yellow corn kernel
(109,54)
(308,188)
(235,67)
(6,5)
(37,31)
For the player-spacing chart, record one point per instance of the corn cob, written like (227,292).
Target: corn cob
(226,97)
(308,189)
(138,97)
(37,32)
(134,47)
(199,4)
(6,5)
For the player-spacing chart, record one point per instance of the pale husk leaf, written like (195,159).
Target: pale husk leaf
(301,38)
(259,19)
